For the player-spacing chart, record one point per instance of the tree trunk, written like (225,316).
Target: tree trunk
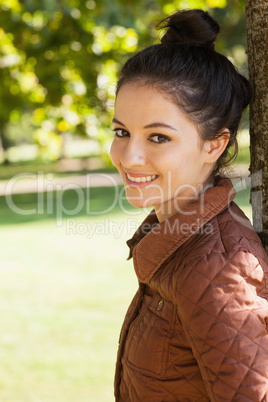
(2,148)
(257,36)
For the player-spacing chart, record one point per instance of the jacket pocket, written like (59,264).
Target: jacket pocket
(147,343)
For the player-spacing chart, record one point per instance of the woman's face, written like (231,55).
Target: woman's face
(157,150)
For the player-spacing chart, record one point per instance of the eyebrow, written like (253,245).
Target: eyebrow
(118,122)
(152,125)
(160,124)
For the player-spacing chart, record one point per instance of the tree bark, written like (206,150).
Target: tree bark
(2,146)
(257,37)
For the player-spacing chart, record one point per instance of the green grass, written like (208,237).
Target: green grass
(64,294)
(63,298)
(21,208)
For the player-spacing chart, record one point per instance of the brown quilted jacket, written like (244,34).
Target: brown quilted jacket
(197,329)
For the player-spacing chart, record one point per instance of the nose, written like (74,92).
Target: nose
(134,154)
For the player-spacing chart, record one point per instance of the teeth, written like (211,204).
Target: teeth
(141,179)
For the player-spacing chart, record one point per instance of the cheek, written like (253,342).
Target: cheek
(173,163)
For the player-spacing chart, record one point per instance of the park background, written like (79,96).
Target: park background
(65,282)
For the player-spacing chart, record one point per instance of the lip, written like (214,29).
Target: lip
(132,184)
(133,174)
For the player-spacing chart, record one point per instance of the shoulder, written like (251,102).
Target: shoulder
(222,258)
(226,235)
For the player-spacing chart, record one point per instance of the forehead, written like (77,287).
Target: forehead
(145,100)
(147,103)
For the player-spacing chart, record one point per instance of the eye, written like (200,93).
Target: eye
(159,138)
(120,133)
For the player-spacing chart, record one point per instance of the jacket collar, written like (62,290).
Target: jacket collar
(154,242)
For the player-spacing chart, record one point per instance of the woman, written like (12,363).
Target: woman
(197,329)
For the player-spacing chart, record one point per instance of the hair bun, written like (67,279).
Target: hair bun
(191,27)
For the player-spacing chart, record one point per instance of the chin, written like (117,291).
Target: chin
(140,200)
(137,204)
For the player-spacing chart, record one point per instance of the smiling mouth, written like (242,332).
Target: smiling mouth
(143,179)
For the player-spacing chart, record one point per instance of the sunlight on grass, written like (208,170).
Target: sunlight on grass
(64,293)
(63,299)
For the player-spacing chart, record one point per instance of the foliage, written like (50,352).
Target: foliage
(59,61)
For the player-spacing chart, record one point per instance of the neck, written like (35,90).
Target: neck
(167,209)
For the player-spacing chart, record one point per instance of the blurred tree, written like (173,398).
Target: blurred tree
(59,60)
(257,34)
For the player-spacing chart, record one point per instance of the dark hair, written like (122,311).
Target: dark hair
(201,81)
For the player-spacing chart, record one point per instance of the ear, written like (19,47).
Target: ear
(216,147)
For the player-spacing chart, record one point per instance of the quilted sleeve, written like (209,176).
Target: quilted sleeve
(226,323)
